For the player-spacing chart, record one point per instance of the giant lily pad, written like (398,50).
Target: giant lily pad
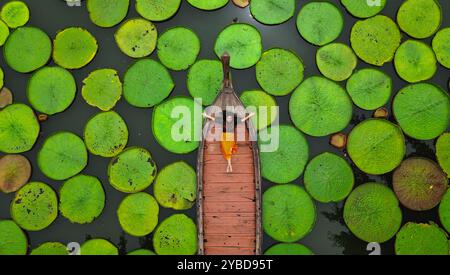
(4,33)
(415,61)
(138,214)
(98,247)
(443,152)
(15,14)
(369,88)
(147,83)
(74,48)
(264,103)
(419,18)
(279,71)
(176,235)
(336,61)
(289,156)
(272,12)
(27,49)
(444,211)
(50,249)
(288,249)
(62,156)
(12,239)
(208,4)
(102,89)
(363,9)
(136,37)
(35,206)
(320,23)
(176,186)
(19,128)
(157,10)
(376,146)
(421,239)
(82,199)
(419,183)
(2,76)
(242,42)
(328,178)
(132,171)
(15,171)
(422,110)
(51,90)
(289,213)
(375,40)
(106,134)
(204,80)
(320,107)
(178,48)
(107,13)
(141,252)
(175,125)
(372,213)
(441,47)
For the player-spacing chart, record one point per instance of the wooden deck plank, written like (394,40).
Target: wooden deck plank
(228,178)
(229,187)
(229,207)
(217,240)
(229,251)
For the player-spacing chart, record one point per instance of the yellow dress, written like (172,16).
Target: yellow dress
(228,145)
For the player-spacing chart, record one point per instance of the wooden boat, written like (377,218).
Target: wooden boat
(229,204)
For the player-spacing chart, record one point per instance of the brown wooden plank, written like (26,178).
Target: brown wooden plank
(228,178)
(238,168)
(248,222)
(234,207)
(246,228)
(217,240)
(229,214)
(218,159)
(229,251)
(229,187)
(231,197)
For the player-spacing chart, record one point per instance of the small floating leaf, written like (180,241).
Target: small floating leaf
(372,213)
(242,42)
(260,100)
(157,10)
(443,152)
(15,14)
(288,249)
(136,37)
(51,90)
(204,80)
(208,4)
(362,9)
(421,239)
(4,33)
(419,18)
(15,171)
(272,12)
(62,156)
(336,61)
(444,211)
(176,235)
(102,89)
(415,61)
(279,71)
(132,171)
(289,213)
(141,252)
(98,247)
(106,134)
(441,47)
(13,240)
(107,13)
(82,199)
(176,186)
(50,249)
(35,206)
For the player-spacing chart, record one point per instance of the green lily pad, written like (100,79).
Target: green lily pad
(136,37)
(63,155)
(288,249)
(178,48)
(176,186)
(82,199)
(441,47)
(204,80)
(320,23)
(419,18)
(147,83)
(15,171)
(176,235)
(376,146)
(27,49)
(422,110)
(4,33)
(363,9)
(419,183)
(138,214)
(289,213)
(242,42)
(329,178)
(443,152)
(163,121)
(132,171)
(106,134)
(264,102)
(12,239)
(2,75)
(421,239)
(157,10)
(279,71)
(272,12)
(35,206)
(107,13)
(50,249)
(320,107)
(208,4)
(336,61)
(15,14)
(102,89)
(369,88)
(19,128)
(372,213)
(444,211)
(287,162)
(6,97)
(375,40)
(74,48)
(415,61)
(51,90)
(98,247)
(141,252)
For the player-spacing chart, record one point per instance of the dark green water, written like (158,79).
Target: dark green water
(329,236)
